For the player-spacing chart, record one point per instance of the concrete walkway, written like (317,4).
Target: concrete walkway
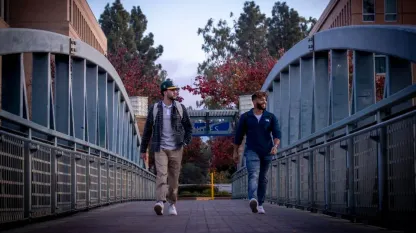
(196,217)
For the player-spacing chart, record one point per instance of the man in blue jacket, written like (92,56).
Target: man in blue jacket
(263,138)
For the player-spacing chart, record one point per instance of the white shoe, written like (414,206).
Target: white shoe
(172,209)
(253,205)
(159,208)
(261,209)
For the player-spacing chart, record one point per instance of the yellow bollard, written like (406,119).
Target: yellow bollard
(212,185)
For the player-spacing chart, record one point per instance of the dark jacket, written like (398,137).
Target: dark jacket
(182,129)
(258,133)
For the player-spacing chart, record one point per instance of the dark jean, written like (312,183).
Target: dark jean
(257,169)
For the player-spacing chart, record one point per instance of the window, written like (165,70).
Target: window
(380,64)
(368,10)
(390,10)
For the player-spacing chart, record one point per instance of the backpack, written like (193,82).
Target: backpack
(176,103)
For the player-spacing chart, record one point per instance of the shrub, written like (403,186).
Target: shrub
(196,188)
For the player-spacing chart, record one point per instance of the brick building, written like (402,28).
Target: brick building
(72,18)
(340,13)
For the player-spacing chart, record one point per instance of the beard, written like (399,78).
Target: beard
(172,98)
(260,106)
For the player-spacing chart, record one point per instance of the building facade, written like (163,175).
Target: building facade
(340,13)
(72,18)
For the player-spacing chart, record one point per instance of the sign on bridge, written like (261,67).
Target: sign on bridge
(213,122)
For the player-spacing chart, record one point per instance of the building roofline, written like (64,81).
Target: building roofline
(93,19)
(323,16)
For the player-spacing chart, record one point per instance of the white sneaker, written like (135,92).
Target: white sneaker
(159,208)
(261,209)
(253,205)
(172,209)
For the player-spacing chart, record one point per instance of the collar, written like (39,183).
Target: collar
(164,105)
(251,112)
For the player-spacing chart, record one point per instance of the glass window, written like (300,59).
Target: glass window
(380,64)
(390,10)
(368,10)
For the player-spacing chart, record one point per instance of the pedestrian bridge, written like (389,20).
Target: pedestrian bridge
(64,149)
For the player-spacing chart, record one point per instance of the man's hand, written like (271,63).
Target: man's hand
(274,150)
(144,156)
(276,143)
(236,156)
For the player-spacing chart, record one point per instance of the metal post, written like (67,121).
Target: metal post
(99,180)
(73,182)
(54,155)
(87,181)
(382,167)
(327,179)
(287,181)
(310,176)
(350,177)
(27,197)
(212,185)
(299,157)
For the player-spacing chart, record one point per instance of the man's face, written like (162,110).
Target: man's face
(172,94)
(260,103)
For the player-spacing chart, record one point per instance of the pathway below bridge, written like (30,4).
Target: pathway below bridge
(196,217)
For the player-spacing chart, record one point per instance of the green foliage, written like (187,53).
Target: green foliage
(195,162)
(201,191)
(191,174)
(286,28)
(223,177)
(251,31)
(196,189)
(126,30)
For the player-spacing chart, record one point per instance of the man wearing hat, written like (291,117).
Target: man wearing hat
(169,125)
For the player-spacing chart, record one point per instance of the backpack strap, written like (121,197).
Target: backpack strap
(155,109)
(180,109)
(177,105)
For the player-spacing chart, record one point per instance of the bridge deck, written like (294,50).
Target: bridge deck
(196,217)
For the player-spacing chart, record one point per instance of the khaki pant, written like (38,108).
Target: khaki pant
(168,167)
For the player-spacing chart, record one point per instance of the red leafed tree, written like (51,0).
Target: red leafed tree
(222,153)
(135,80)
(235,76)
(192,152)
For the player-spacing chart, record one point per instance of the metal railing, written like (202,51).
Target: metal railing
(348,157)
(68,138)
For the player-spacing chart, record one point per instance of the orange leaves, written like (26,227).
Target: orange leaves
(237,75)
(222,151)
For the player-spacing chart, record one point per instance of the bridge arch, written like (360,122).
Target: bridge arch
(76,145)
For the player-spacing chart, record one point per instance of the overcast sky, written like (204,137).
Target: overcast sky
(174,24)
